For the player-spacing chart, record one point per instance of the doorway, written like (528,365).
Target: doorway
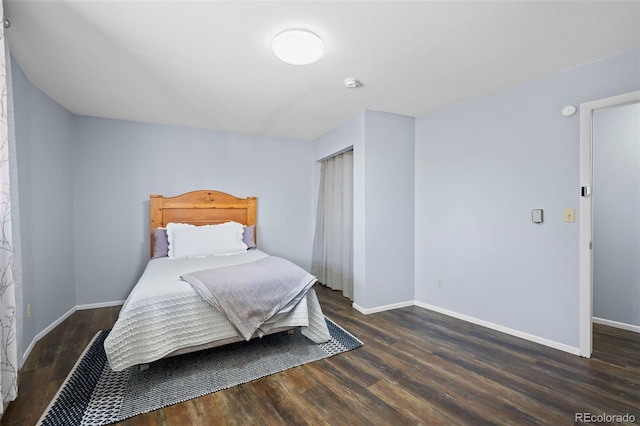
(586,211)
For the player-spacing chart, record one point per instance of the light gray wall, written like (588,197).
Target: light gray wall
(383,147)
(389,205)
(340,138)
(117,164)
(43,150)
(480,169)
(616,214)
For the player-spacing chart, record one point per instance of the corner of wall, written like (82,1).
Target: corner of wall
(43,157)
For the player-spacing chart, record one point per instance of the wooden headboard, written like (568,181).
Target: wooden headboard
(201,208)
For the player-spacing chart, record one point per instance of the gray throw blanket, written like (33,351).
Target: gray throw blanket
(249,294)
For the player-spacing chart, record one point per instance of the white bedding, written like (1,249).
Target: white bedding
(164,314)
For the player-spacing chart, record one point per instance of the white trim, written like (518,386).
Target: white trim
(586,214)
(368,311)
(99,305)
(44,333)
(335,154)
(57,322)
(586,231)
(616,324)
(526,336)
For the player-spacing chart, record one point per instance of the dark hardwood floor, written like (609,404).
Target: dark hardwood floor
(416,367)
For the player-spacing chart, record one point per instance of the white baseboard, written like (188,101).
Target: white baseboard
(368,311)
(503,329)
(616,324)
(497,327)
(44,333)
(99,305)
(57,322)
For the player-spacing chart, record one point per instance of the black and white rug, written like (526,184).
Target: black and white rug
(93,394)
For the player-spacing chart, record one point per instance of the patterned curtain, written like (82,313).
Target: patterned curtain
(8,334)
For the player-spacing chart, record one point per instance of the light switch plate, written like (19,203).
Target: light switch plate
(569,215)
(536,215)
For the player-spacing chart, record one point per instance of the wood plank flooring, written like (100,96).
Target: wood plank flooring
(416,367)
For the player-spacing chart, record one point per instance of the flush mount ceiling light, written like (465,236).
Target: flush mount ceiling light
(297,46)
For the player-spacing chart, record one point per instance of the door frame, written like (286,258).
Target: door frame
(586,212)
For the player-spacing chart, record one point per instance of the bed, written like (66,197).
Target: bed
(165,316)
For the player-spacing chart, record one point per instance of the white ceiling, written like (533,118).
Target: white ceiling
(208,64)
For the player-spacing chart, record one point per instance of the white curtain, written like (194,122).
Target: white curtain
(8,330)
(332,261)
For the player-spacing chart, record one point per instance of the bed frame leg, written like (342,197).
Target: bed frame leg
(143,367)
(290,332)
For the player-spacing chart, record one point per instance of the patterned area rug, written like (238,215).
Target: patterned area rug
(93,394)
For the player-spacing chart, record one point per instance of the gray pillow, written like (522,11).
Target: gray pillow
(248,237)
(161,243)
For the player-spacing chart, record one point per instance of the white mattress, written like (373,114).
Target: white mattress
(164,313)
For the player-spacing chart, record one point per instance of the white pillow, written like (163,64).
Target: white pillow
(170,227)
(197,241)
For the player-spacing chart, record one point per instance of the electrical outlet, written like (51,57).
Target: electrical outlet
(440,282)
(28,310)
